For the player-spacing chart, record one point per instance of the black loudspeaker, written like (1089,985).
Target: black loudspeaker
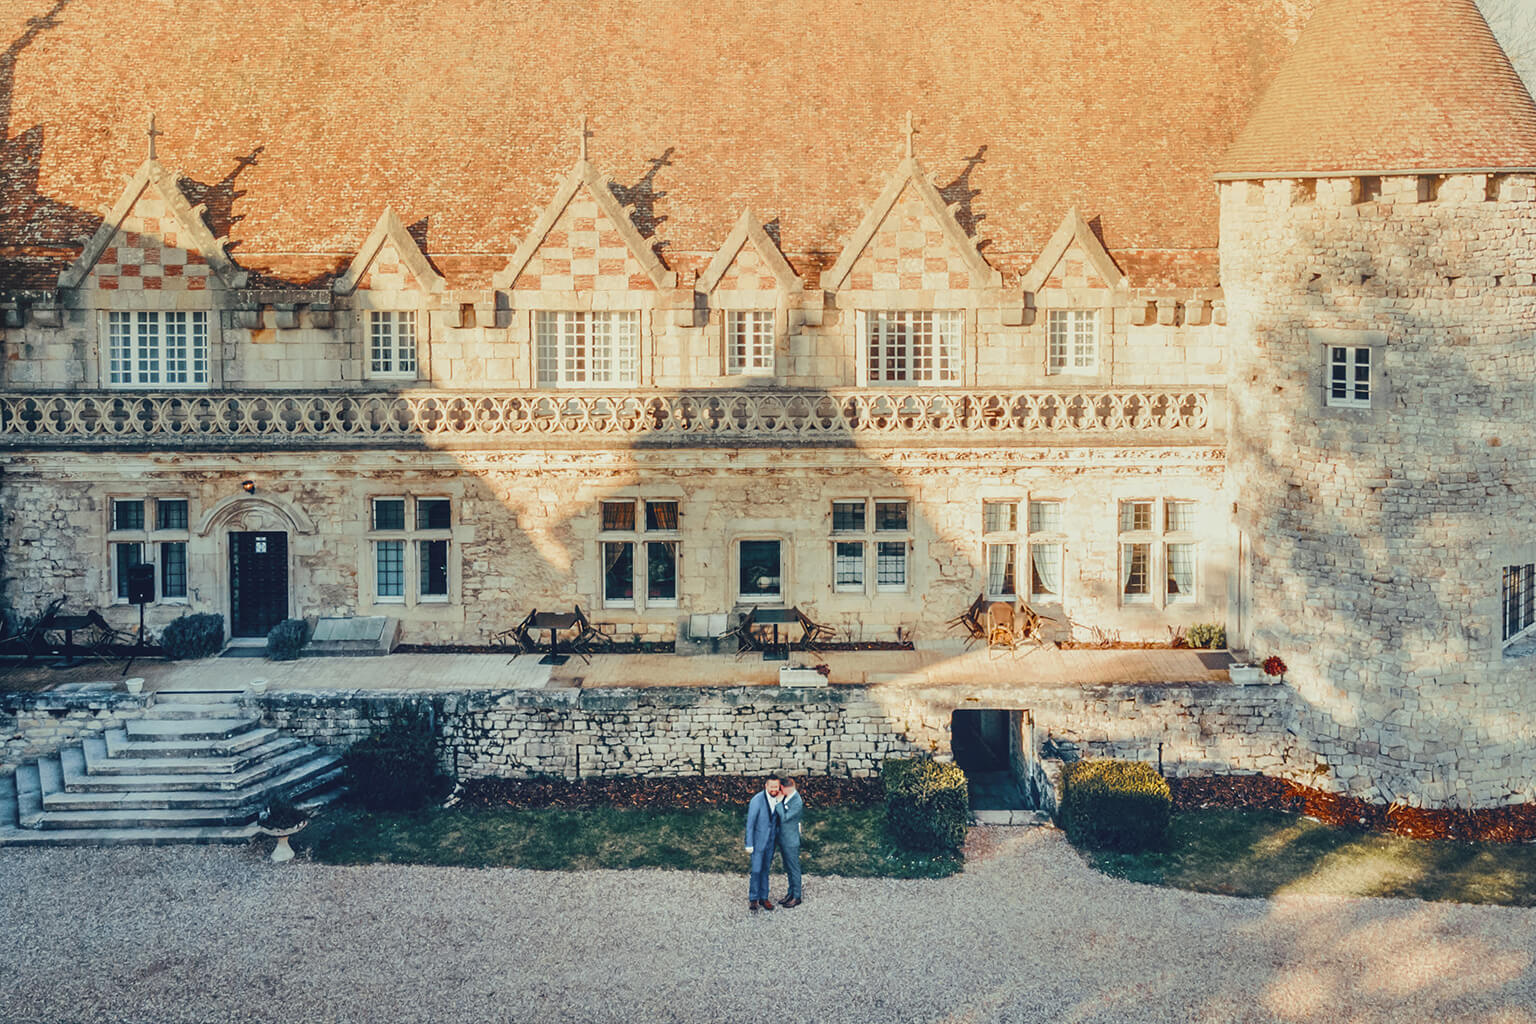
(141,584)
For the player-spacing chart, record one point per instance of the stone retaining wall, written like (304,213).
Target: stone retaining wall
(32,724)
(837,731)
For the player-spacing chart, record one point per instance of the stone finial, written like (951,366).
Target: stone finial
(582,137)
(911,131)
(154,133)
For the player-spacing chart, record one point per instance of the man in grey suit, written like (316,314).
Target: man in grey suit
(791,805)
(762,836)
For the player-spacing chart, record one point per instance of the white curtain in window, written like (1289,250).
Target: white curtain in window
(1046,562)
(1000,569)
(1181,570)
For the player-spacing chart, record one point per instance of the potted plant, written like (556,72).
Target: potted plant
(281,819)
(1274,667)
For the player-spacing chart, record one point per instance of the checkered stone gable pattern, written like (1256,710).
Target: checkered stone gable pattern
(584,251)
(748,272)
(145,255)
(910,252)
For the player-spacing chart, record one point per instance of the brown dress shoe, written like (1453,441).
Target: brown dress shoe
(793,901)
(766,904)
(753,905)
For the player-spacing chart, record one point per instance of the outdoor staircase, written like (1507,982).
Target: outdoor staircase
(196,769)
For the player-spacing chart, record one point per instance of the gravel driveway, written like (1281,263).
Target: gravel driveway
(1029,933)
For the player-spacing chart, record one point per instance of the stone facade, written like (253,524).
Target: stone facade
(1376,537)
(32,724)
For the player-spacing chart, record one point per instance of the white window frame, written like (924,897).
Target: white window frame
(574,349)
(160,349)
(1020,535)
(1522,603)
(150,538)
(640,538)
(393,344)
(1160,538)
(1343,371)
(411,537)
(750,340)
(784,569)
(1073,342)
(913,348)
(870,538)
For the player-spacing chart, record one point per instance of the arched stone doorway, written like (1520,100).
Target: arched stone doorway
(255,558)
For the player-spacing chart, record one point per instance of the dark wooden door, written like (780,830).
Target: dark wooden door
(258,582)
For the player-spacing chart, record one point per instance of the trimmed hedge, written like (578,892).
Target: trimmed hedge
(396,768)
(286,639)
(927,804)
(1117,805)
(193,636)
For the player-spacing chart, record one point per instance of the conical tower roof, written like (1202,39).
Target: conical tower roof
(1376,86)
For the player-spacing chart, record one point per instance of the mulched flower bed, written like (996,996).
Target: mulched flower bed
(1513,824)
(685,793)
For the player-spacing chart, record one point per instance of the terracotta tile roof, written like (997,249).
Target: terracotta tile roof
(298,121)
(1383,85)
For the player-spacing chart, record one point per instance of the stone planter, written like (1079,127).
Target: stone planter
(800,677)
(1247,675)
(282,852)
(258,686)
(135,685)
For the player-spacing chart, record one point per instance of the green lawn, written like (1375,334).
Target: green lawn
(1266,853)
(840,841)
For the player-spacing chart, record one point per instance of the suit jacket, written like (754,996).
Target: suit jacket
(761,832)
(789,822)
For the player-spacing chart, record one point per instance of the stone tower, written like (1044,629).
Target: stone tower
(1378,245)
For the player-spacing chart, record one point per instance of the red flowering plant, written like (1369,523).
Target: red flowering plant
(1273,666)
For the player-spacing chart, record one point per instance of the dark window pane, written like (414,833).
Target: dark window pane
(389,514)
(127,515)
(391,568)
(433,555)
(618,515)
(891,564)
(127,556)
(171,514)
(760,569)
(848,565)
(890,515)
(661,570)
(848,517)
(433,514)
(173,568)
(661,515)
(619,571)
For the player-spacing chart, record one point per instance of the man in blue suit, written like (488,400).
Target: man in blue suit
(762,837)
(790,808)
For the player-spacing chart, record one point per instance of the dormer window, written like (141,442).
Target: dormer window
(585,349)
(158,349)
(913,346)
(749,342)
(1074,341)
(392,344)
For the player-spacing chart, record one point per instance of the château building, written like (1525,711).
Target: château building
(1148,314)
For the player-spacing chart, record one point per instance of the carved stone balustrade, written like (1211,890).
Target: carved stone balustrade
(536,419)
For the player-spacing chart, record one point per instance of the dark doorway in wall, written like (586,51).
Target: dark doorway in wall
(991,746)
(258,582)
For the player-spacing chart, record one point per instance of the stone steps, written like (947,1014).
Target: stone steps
(197,770)
(196,729)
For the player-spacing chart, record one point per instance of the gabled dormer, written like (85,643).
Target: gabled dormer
(389,261)
(585,242)
(1074,261)
(148,275)
(153,240)
(910,241)
(389,281)
(746,290)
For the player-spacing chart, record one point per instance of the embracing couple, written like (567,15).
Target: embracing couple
(773,823)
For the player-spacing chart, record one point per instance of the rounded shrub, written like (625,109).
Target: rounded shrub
(1116,805)
(193,636)
(927,804)
(286,639)
(396,768)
